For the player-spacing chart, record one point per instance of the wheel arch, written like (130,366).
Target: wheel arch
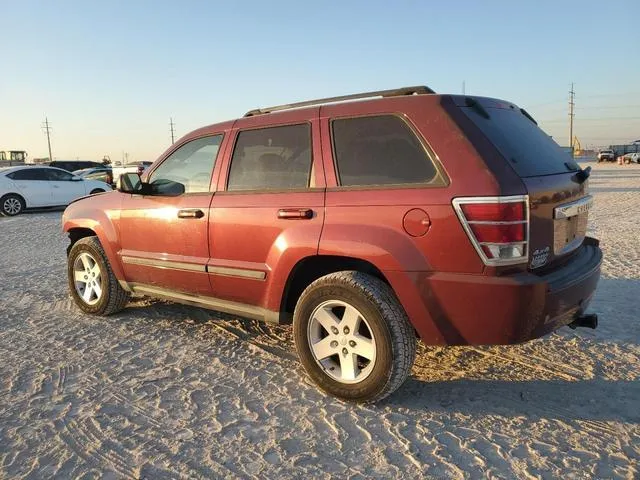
(16,194)
(101,228)
(78,233)
(310,268)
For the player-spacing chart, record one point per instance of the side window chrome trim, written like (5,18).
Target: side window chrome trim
(439,180)
(234,146)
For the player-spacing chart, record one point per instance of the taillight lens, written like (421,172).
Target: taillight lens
(494,212)
(498,233)
(498,227)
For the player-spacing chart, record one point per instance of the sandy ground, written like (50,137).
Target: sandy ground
(166,391)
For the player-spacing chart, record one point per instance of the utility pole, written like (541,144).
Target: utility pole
(47,131)
(171,125)
(572,103)
(463,88)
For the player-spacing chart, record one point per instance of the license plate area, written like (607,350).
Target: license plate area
(570,225)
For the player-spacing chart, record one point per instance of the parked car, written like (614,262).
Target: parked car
(364,222)
(27,187)
(72,165)
(104,174)
(632,157)
(606,156)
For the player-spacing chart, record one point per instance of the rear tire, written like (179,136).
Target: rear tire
(12,205)
(353,337)
(92,284)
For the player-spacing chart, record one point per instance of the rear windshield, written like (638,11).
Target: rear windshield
(530,151)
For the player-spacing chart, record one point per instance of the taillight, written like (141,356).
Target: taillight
(498,227)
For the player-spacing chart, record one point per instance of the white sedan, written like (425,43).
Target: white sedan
(632,157)
(28,187)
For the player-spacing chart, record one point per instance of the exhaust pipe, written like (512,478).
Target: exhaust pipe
(589,321)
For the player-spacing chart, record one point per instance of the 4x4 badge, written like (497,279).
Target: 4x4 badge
(540,257)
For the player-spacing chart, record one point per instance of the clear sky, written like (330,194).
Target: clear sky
(109,74)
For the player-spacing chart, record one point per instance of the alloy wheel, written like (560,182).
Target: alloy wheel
(12,206)
(342,341)
(87,278)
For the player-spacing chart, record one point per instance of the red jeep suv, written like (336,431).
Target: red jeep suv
(366,220)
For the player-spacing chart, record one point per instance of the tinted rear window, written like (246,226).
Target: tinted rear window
(529,150)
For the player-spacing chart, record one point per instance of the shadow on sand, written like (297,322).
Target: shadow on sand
(590,400)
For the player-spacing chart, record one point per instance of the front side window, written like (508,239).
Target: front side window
(58,175)
(379,150)
(191,165)
(275,158)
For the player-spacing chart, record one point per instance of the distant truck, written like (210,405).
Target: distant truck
(620,150)
(131,167)
(607,155)
(13,157)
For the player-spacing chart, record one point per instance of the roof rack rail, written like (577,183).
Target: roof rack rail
(396,92)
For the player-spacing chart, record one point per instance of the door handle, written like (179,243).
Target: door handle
(190,213)
(295,213)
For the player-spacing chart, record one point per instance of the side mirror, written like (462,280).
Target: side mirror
(76,178)
(129,183)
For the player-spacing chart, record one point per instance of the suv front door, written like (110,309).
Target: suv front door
(164,236)
(269,209)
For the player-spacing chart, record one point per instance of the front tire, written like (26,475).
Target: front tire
(353,337)
(92,284)
(12,205)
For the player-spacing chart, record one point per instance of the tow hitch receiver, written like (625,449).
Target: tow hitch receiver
(589,321)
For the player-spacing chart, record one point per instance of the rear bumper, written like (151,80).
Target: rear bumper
(458,309)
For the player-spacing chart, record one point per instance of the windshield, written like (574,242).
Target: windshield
(529,150)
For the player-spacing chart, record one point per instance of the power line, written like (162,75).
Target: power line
(598,119)
(571,114)
(47,129)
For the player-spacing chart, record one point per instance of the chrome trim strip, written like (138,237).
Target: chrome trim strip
(489,222)
(457,202)
(169,264)
(574,208)
(502,244)
(236,272)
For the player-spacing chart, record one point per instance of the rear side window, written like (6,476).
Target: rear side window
(276,158)
(529,150)
(379,150)
(58,175)
(29,174)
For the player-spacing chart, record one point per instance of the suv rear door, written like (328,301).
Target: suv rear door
(269,209)
(386,187)
(558,198)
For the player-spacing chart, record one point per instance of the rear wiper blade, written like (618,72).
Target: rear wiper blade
(473,103)
(582,175)
(526,114)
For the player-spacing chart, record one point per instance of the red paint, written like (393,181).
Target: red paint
(416,222)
